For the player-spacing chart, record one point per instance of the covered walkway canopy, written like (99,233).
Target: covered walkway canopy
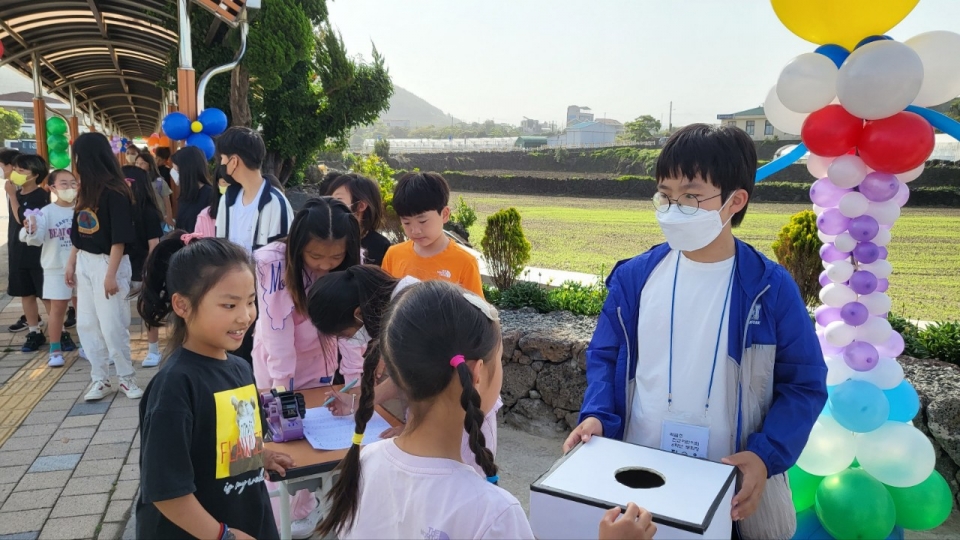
(105,57)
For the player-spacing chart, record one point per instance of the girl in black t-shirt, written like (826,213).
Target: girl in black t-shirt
(202,457)
(191,168)
(148,226)
(362,195)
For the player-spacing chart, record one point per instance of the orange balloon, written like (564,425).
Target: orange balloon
(153,140)
(165,142)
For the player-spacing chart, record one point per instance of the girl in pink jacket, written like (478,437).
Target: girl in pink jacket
(324,237)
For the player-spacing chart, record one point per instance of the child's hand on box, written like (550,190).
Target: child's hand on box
(635,524)
(588,428)
(754,472)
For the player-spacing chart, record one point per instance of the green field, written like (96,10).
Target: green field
(584,235)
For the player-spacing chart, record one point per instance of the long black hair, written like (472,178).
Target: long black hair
(98,169)
(335,297)
(427,325)
(189,270)
(324,218)
(145,197)
(192,167)
(362,189)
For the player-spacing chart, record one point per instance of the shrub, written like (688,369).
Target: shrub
(382,149)
(505,248)
(463,214)
(560,154)
(798,249)
(911,336)
(579,299)
(526,294)
(380,171)
(492,294)
(942,341)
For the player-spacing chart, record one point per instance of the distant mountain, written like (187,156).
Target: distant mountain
(415,111)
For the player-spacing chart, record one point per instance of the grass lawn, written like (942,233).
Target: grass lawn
(585,235)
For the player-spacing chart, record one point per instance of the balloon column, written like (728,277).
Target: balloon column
(58,147)
(200,132)
(857,102)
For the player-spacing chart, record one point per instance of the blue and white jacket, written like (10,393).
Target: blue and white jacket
(776,376)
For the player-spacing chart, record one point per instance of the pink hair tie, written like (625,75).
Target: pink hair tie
(456,361)
(190,237)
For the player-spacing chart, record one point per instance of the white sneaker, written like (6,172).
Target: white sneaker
(98,390)
(56,360)
(151,360)
(82,354)
(130,388)
(304,528)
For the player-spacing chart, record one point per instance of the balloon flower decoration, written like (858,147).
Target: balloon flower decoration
(58,147)
(200,132)
(858,103)
(119,144)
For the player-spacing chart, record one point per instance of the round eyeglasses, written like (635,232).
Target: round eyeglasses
(686,203)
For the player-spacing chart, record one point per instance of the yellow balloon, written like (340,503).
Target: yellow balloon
(843,22)
(196,126)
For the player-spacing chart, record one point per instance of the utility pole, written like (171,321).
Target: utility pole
(670,122)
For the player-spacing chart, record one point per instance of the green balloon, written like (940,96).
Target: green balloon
(804,487)
(56,126)
(57,143)
(853,504)
(924,506)
(60,160)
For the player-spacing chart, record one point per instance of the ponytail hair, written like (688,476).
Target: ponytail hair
(428,331)
(334,298)
(189,266)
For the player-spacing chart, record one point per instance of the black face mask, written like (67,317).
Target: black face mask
(222,172)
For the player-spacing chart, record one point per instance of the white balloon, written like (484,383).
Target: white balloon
(880,268)
(844,242)
(825,238)
(887,374)
(840,271)
(837,370)
(877,303)
(780,116)
(853,204)
(940,53)
(817,165)
(817,209)
(847,171)
(882,238)
(830,449)
(896,454)
(837,295)
(808,83)
(839,333)
(886,213)
(875,331)
(910,175)
(879,79)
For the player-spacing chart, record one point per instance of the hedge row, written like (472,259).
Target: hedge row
(643,187)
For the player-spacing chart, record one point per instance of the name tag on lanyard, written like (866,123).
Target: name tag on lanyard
(686,439)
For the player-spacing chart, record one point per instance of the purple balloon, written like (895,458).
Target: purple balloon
(893,347)
(866,252)
(883,285)
(879,187)
(861,356)
(828,349)
(824,280)
(862,228)
(831,221)
(882,253)
(854,313)
(863,282)
(826,315)
(825,193)
(830,253)
(903,194)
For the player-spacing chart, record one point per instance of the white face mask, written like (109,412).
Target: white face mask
(67,195)
(690,232)
(175,176)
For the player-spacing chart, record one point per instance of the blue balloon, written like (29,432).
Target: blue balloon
(214,121)
(904,402)
(781,162)
(176,125)
(834,52)
(859,406)
(124,141)
(871,39)
(203,142)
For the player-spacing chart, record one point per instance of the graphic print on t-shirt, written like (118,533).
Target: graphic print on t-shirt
(87,221)
(239,433)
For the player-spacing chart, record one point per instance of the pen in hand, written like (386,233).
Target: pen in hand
(349,386)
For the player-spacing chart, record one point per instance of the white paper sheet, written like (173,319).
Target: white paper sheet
(324,431)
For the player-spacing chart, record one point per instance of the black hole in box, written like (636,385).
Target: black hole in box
(640,478)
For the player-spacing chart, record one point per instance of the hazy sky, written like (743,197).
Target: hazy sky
(506,59)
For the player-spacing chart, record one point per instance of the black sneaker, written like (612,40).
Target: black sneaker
(34,341)
(66,342)
(19,326)
(71,320)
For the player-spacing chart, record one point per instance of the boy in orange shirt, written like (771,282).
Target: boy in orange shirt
(420,199)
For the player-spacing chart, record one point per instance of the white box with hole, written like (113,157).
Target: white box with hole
(688,497)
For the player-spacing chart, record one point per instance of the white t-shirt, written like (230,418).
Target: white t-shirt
(407,496)
(243,219)
(698,314)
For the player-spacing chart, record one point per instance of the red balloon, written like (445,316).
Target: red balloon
(831,131)
(896,144)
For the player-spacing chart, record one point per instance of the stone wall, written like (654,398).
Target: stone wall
(544,380)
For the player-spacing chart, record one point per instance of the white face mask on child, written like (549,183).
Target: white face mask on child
(690,232)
